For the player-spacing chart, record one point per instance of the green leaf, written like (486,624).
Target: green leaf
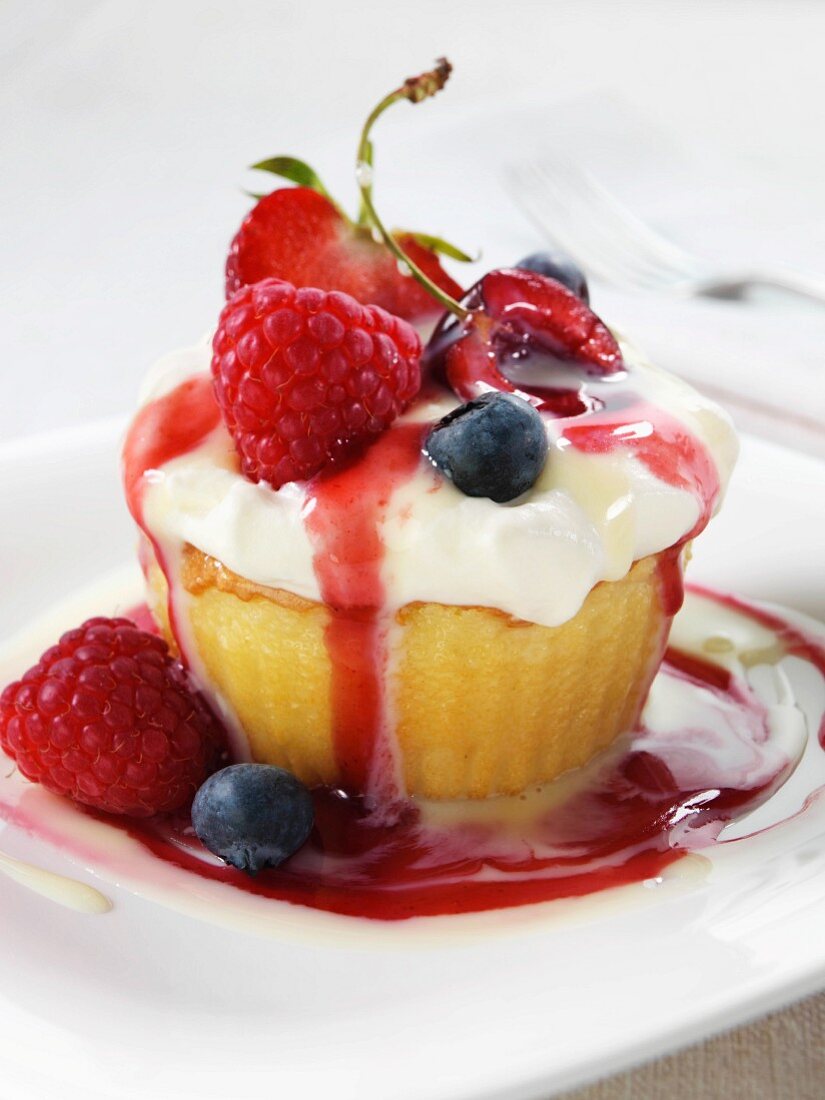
(297,171)
(440,246)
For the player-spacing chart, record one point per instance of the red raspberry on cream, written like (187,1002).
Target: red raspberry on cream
(304,376)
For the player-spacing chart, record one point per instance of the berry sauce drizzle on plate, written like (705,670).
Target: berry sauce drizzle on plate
(663,792)
(710,748)
(705,753)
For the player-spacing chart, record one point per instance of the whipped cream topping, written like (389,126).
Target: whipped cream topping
(587,519)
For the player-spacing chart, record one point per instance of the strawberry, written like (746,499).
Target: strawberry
(301,235)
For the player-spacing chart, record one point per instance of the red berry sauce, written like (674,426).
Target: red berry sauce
(165,429)
(627,824)
(344,509)
(626,820)
(794,642)
(630,821)
(660,442)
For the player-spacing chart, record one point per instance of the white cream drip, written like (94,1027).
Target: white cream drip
(68,892)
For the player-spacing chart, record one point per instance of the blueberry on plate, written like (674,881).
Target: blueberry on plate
(253,815)
(492,447)
(558,265)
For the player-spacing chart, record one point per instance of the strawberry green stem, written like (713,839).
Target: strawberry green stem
(415,89)
(364,167)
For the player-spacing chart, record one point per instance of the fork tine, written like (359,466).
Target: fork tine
(579,213)
(656,245)
(570,227)
(570,215)
(653,260)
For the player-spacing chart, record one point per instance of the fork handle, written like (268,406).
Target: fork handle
(807,286)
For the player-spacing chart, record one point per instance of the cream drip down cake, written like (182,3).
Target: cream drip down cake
(412,554)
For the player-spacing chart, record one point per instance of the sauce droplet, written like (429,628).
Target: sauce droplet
(68,892)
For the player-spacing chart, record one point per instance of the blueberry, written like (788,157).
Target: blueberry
(252,815)
(558,266)
(492,447)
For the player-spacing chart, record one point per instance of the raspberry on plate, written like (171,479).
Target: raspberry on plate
(107,717)
(303,376)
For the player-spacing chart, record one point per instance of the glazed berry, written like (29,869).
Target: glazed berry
(492,447)
(253,815)
(512,315)
(108,718)
(299,234)
(303,377)
(509,316)
(559,266)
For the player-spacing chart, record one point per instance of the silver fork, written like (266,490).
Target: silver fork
(575,211)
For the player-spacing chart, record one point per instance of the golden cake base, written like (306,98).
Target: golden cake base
(482,704)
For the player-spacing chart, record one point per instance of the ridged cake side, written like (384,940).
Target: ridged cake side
(481,703)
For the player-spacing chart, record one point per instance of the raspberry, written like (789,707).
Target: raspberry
(303,376)
(106,717)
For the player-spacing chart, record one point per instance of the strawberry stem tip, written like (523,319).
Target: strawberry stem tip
(415,89)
